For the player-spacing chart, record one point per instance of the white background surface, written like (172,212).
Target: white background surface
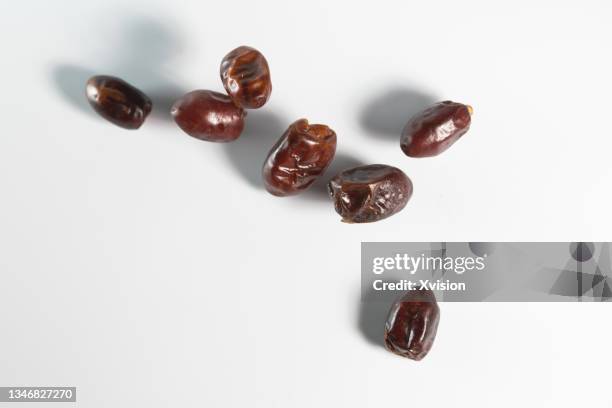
(150,269)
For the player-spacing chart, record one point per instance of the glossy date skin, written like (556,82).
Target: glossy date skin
(412,324)
(369,193)
(299,157)
(208,115)
(434,130)
(246,77)
(117,101)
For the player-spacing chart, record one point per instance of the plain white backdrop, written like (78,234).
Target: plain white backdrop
(150,269)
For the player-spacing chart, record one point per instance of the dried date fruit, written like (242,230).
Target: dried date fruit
(412,324)
(369,193)
(208,115)
(434,130)
(300,156)
(246,77)
(117,101)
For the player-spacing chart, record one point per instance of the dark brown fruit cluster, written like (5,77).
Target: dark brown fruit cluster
(412,324)
(246,77)
(369,193)
(300,156)
(209,115)
(117,101)
(434,130)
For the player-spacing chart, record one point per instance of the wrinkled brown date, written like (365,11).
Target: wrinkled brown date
(246,77)
(209,115)
(300,156)
(434,130)
(412,324)
(369,193)
(117,101)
